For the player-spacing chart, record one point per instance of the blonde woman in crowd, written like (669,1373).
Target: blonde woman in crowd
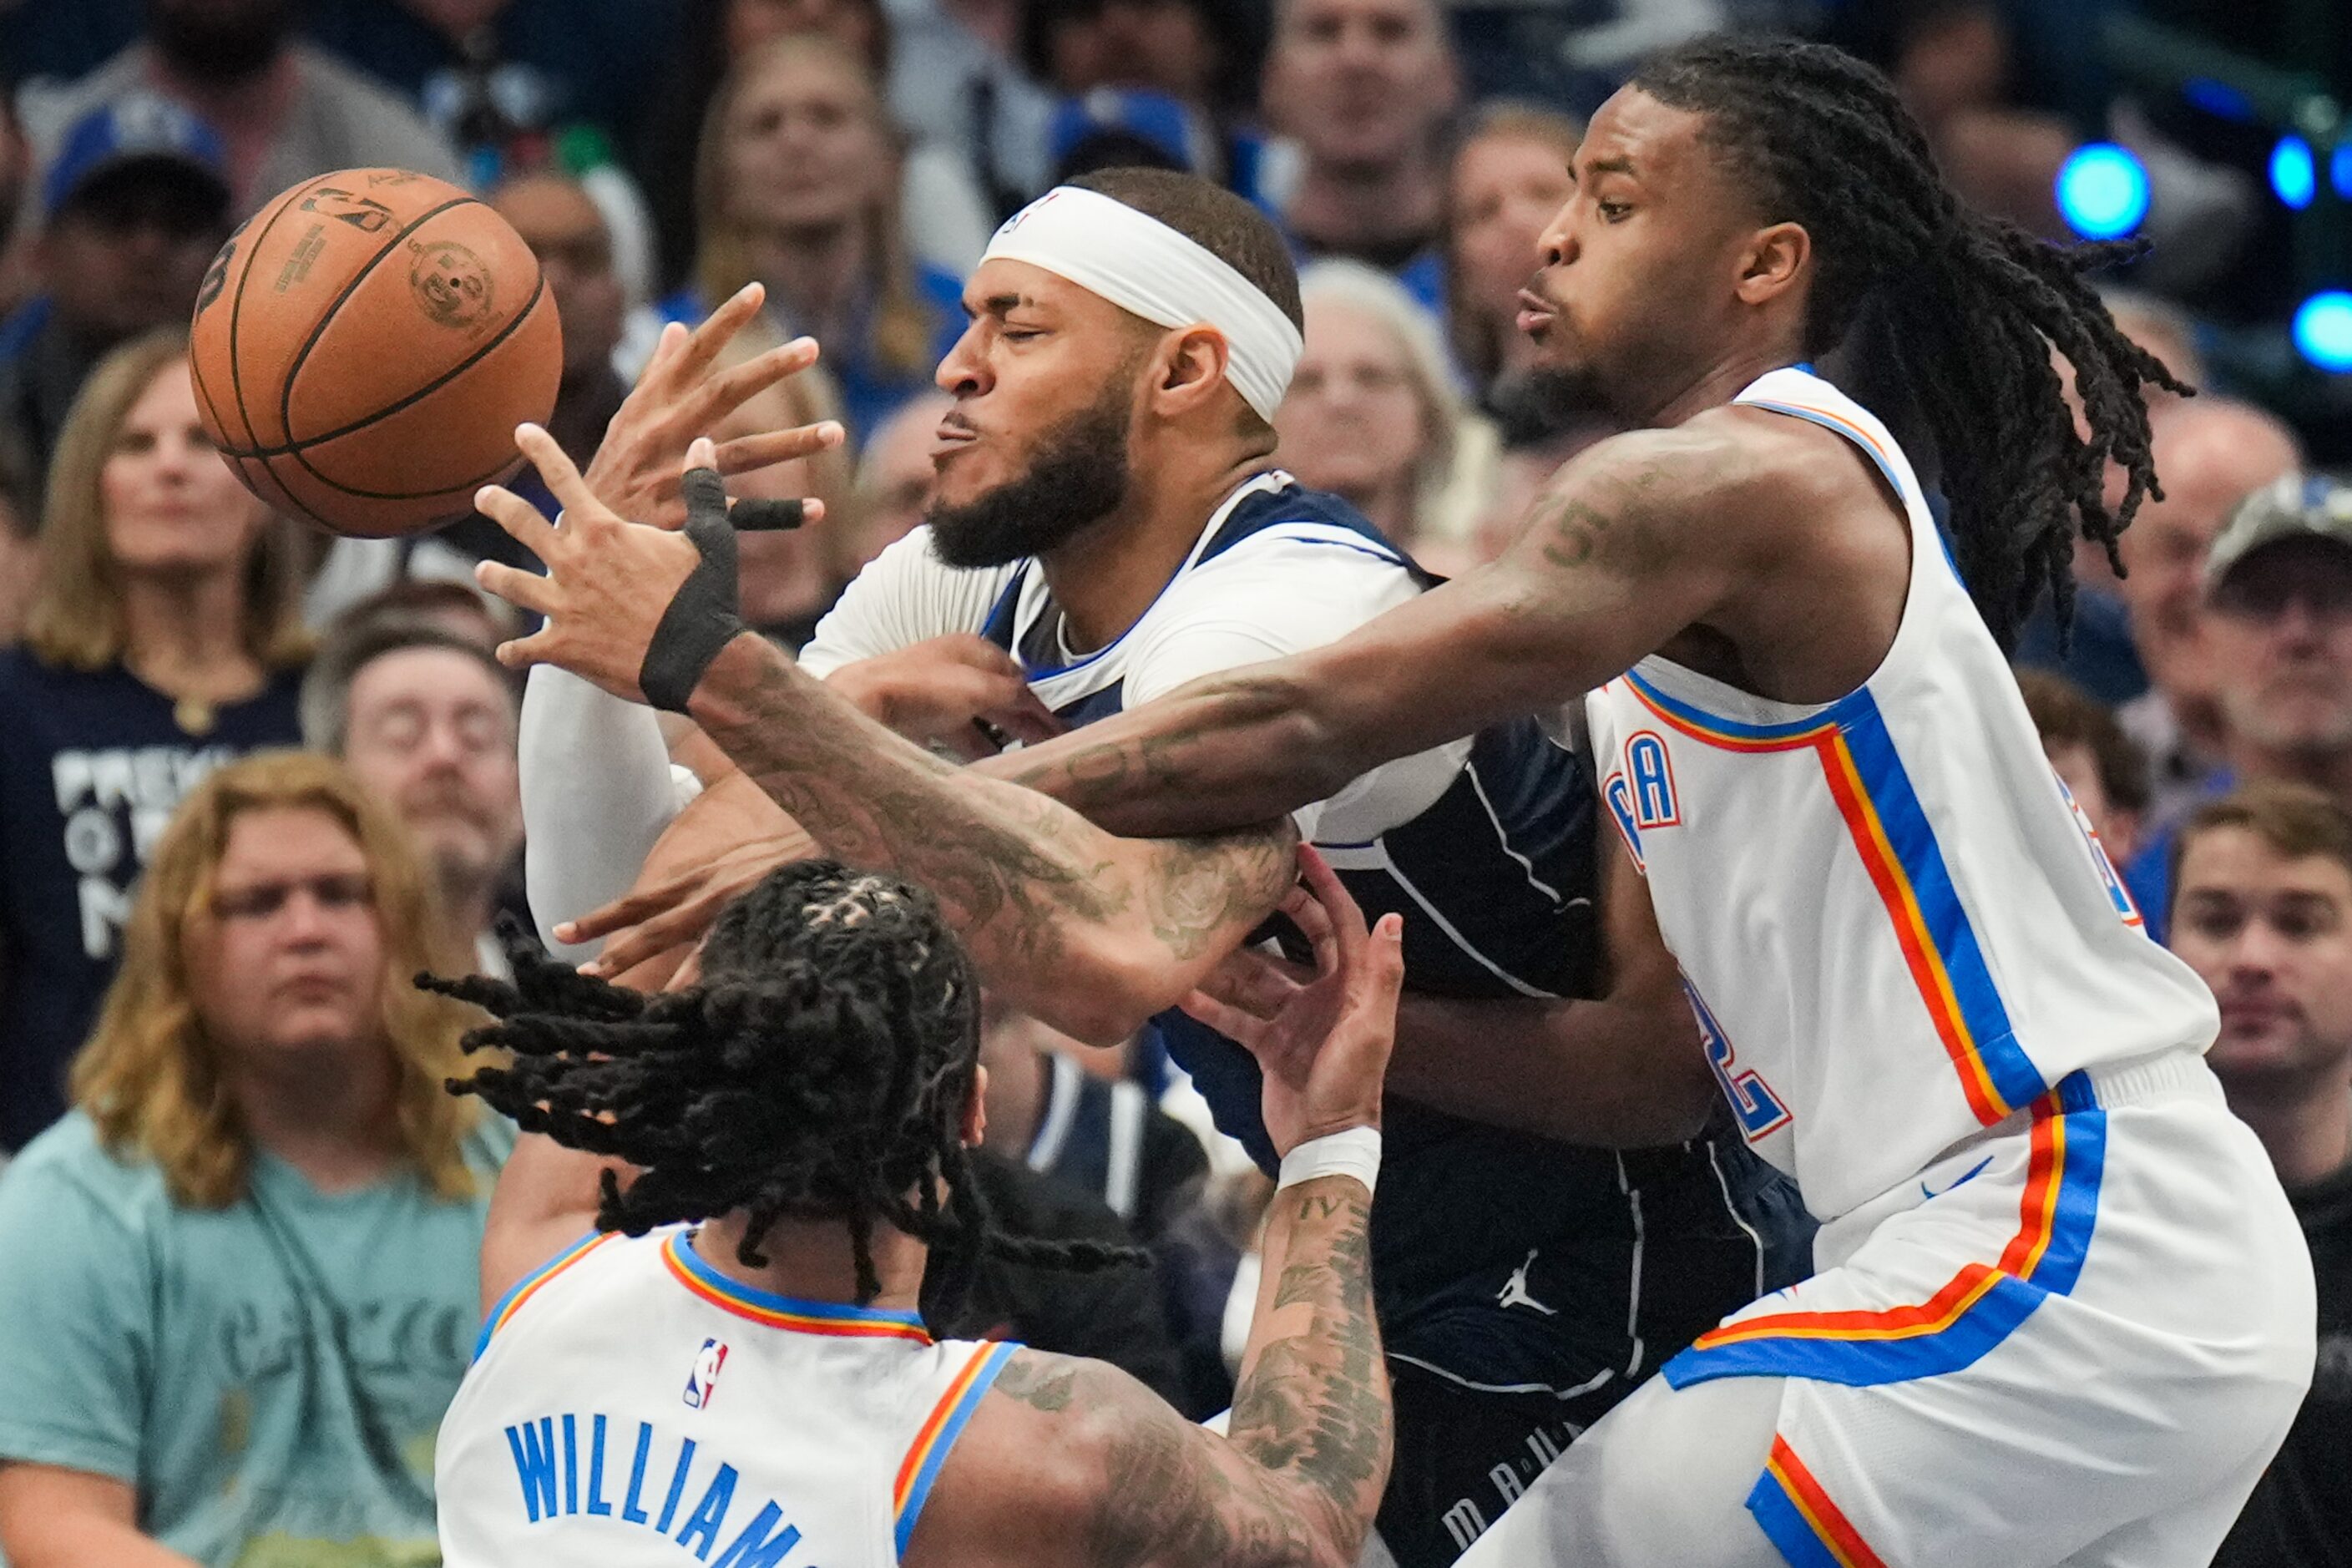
(243,1273)
(164,637)
(1373,415)
(797,187)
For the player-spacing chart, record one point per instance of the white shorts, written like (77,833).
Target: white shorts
(2076,1339)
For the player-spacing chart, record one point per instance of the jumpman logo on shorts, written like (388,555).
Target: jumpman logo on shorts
(1514,1292)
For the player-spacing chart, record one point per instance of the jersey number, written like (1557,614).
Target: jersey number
(1752,1101)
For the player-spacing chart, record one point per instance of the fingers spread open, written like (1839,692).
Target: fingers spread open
(561,475)
(746,453)
(520,519)
(524,590)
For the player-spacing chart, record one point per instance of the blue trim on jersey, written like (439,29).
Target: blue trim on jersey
(498,1308)
(1905,822)
(1835,427)
(736,1290)
(1775,1513)
(993,1363)
(1864,1362)
(1836,714)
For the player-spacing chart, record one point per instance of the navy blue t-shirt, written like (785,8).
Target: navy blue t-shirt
(92,765)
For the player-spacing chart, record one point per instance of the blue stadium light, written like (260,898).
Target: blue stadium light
(2294,175)
(2323,330)
(2340,169)
(2102,191)
(2219,98)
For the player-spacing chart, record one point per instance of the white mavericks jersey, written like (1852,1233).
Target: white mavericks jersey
(630,1404)
(1895,927)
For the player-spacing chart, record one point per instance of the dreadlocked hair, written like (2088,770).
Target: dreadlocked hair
(1967,307)
(820,1071)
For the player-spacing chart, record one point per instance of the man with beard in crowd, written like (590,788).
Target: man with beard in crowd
(1107,526)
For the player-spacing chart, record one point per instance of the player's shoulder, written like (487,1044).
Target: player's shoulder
(1727,473)
(1038,1465)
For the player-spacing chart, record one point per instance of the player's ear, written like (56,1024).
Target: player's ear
(1189,370)
(975,1109)
(1774,260)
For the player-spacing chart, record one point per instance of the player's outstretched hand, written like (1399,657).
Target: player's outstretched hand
(1322,1043)
(725,840)
(681,393)
(610,583)
(961,692)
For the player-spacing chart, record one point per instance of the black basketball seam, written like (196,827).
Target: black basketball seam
(294,448)
(506,466)
(350,286)
(288,491)
(236,305)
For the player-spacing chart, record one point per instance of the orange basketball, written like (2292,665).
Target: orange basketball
(364,346)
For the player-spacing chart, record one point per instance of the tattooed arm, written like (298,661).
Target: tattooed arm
(1638,538)
(1091,933)
(1074,1462)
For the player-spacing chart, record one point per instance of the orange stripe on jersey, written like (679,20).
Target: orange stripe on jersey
(1911,933)
(532,1286)
(928,1437)
(801,1317)
(2037,1215)
(1820,1515)
(1730,741)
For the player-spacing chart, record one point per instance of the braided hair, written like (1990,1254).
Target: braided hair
(1966,308)
(820,1071)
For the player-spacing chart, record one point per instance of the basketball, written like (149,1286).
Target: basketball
(364,345)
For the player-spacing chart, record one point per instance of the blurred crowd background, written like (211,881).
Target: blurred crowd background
(236,1264)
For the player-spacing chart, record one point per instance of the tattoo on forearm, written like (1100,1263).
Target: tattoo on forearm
(1011,866)
(1310,1416)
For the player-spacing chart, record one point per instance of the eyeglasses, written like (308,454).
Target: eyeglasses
(260,900)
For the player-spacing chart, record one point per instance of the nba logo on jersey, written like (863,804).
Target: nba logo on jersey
(701,1381)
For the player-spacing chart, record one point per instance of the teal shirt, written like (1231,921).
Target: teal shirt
(189,1352)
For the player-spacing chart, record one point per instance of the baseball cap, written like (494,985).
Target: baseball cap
(138,128)
(2294,505)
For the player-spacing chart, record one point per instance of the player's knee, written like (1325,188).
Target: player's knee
(1674,1481)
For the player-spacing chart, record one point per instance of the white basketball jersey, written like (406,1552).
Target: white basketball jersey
(1895,925)
(630,1404)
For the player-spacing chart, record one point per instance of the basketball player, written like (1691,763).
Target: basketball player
(2064,1315)
(758,1389)
(1106,547)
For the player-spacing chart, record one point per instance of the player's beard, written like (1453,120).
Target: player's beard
(1078,476)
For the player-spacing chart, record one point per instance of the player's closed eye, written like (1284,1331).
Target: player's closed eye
(260,900)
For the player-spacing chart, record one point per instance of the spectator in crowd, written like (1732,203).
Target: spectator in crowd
(2102,768)
(1371,414)
(954,80)
(1100,1134)
(133,206)
(1365,88)
(1168,83)
(242,1275)
(425,718)
(20,554)
(456,608)
(2263,912)
(797,184)
(286,109)
(893,479)
(2213,453)
(945,214)
(1510,178)
(2279,628)
(490,73)
(555,216)
(164,637)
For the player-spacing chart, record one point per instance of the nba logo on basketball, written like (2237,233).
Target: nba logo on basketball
(702,1381)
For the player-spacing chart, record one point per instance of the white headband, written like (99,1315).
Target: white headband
(1141,265)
